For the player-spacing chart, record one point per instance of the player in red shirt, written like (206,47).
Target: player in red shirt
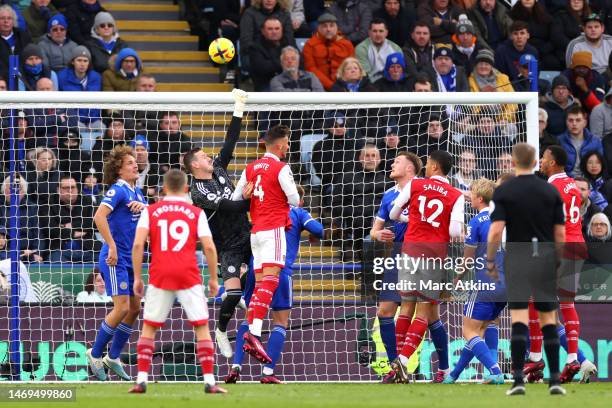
(435,214)
(174,227)
(273,191)
(552,166)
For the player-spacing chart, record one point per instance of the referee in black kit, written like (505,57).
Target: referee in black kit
(531,210)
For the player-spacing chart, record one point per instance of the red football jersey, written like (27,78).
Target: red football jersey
(174,230)
(269,206)
(571,205)
(429,215)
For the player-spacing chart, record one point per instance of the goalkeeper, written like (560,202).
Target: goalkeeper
(211,190)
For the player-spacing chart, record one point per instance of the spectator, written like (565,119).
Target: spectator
(80,77)
(33,69)
(351,77)
(599,231)
(142,120)
(577,140)
(442,17)
(422,83)
(435,137)
(252,20)
(399,23)
(466,45)
(37,16)
(353,18)
(586,84)
(71,159)
(523,81)
(3,85)
(567,24)
(94,290)
(600,121)
(594,169)
(491,23)
(325,50)
(148,173)
(42,176)
(21,23)
(419,50)
(104,41)
(55,45)
(488,141)
(557,102)
(81,15)
(509,52)
(92,187)
(114,135)
(372,52)
(389,144)
(29,244)
(70,226)
(123,74)
(394,77)
(23,133)
(587,208)
(503,164)
(265,54)
(298,19)
(448,76)
(546,139)
(170,142)
(465,172)
(539,21)
(293,79)
(594,41)
(12,40)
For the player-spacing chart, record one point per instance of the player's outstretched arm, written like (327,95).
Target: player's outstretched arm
(233,132)
(211,260)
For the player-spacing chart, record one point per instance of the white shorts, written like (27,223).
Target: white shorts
(158,303)
(269,248)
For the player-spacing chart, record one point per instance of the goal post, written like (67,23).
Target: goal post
(329,335)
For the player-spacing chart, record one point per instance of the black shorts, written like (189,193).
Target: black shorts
(231,261)
(539,306)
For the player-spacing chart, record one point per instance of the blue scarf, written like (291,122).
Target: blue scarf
(353,87)
(35,70)
(108,46)
(449,80)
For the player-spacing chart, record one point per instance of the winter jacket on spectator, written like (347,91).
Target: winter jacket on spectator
(366,56)
(607,147)
(253,18)
(354,18)
(41,185)
(601,185)
(363,86)
(399,26)
(99,54)
(387,84)
(21,38)
(492,29)
(334,156)
(539,33)
(461,82)
(443,32)
(36,19)
(115,79)
(462,58)
(306,82)
(507,58)
(30,74)
(600,121)
(322,57)
(79,215)
(600,54)
(81,18)
(502,84)
(418,60)
(48,123)
(597,85)
(29,233)
(589,144)
(556,114)
(565,27)
(265,63)
(56,56)
(92,82)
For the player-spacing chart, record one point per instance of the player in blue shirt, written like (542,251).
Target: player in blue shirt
(483,306)
(283,297)
(116,219)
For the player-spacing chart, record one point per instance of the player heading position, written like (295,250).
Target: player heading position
(174,227)
(211,190)
(116,220)
(435,214)
(274,191)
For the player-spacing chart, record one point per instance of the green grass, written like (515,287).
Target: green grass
(330,395)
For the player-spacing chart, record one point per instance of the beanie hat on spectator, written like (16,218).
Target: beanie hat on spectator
(443,51)
(582,58)
(392,59)
(327,17)
(485,55)
(140,140)
(334,118)
(465,26)
(80,51)
(560,80)
(30,50)
(525,59)
(57,19)
(104,17)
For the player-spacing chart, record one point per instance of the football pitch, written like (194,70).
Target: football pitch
(326,395)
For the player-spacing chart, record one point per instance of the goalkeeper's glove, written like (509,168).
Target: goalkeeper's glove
(240,99)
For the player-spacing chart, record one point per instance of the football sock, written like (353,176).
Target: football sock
(518,347)
(491,338)
(261,302)
(122,335)
(401,328)
(464,359)
(440,341)
(535,334)
(227,308)
(276,341)
(238,353)
(105,334)
(145,356)
(482,353)
(551,348)
(414,336)
(563,341)
(572,329)
(205,351)
(387,334)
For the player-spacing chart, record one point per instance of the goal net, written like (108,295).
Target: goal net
(341,150)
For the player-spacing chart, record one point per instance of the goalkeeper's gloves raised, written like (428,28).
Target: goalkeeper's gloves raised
(240,99)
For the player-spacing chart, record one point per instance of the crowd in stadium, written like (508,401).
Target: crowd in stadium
(302,46)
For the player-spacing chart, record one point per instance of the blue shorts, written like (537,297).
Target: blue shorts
(118,279)
(387,295)
(283,297)
(481,310)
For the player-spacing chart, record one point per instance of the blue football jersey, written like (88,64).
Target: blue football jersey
(121,220)
(386,204)
(476,236)
(300,220)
